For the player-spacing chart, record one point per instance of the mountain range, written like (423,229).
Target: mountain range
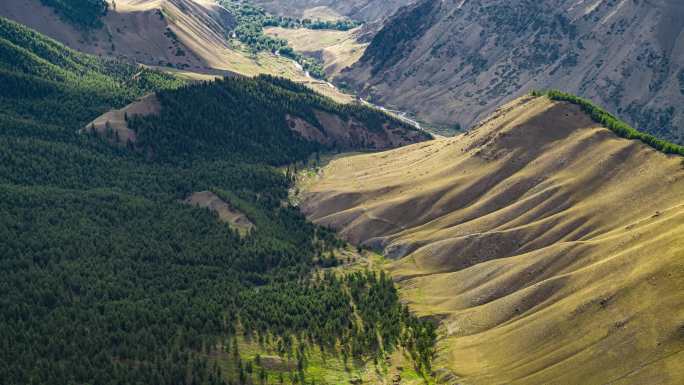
(243,192)
(453,62)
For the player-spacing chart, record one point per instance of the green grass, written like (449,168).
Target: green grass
(621,128)
(321,368)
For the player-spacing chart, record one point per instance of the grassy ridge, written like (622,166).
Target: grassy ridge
(621,128)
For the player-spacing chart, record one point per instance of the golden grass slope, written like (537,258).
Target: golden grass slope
(336,49)
(199,46)
(551,249)
(142,30)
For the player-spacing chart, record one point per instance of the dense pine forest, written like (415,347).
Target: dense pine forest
(243,119)
(107,278)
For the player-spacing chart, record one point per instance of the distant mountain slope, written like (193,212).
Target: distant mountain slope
(364,10)
(335,49)
(550,248)
(191,38)
(183,33)
(454,61)
(84,14)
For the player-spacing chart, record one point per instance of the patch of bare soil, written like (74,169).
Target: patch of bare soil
(226,213)
(113,125)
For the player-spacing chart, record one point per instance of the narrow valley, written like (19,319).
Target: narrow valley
(332,192)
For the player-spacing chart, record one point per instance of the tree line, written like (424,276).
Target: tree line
(243,119)
(621,128)
(84,14)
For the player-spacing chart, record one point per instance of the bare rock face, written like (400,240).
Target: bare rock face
(452,62)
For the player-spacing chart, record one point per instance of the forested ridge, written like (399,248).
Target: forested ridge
(613,123)
(244,119)
(107,278)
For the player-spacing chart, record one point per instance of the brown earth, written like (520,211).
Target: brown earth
(190,34)
(190,38)
(113,125)
(550,249)
(335,49)
(352,134)
(226,213)
(363,10)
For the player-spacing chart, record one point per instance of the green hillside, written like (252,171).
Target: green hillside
(244,119)
(106,278)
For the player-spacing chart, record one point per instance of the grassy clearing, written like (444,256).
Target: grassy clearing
(262,364)
(336,49)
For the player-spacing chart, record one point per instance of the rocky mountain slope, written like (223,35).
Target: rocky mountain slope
(549,248)
(452,62)
(364,10)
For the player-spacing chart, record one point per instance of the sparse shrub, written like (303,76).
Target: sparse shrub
(83,13)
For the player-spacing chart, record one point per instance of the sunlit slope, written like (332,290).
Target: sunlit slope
(186,36)
(552,250)
(337,50)
(181,33)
